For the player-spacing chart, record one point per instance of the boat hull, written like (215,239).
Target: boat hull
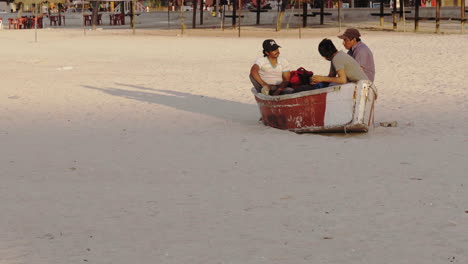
(348,107)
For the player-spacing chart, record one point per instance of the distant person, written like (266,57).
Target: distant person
(271,72)
(359,51)
(343,68)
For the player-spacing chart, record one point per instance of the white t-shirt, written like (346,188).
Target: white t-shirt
(272,75)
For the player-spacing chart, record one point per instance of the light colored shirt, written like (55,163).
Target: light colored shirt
(272,75)
(363,55)
(353,70)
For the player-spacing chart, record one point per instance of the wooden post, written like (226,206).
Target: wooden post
(304,14)
(438,16)
(278,18)
(234,13)
(168,15)
(258,12)
(402,3)
(321,11)
(240,17)
(279,21)
(299,19)
(182,18)
(416,15)
(94,13)
(35,20)
(201,12)
(223,16)
(133,16)
(462,16)
(381,12)
(394,13)
(404,16)
(194,10)
(59,5)
(82,14)
(340,4)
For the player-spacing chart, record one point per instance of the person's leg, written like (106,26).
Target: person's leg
(257,86)
(307,87)
(287,90)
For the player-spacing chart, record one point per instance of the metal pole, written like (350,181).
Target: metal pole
(394,14)
(438,16)
(168,16)
(304,14)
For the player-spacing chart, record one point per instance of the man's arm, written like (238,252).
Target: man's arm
(286,78)
(254,72)
(341,78)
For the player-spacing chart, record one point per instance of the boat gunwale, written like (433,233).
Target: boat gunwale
(334,88)
(295,95)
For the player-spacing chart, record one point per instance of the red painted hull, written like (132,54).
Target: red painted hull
(278,114)
(347,107)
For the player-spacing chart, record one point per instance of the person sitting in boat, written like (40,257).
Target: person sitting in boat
(271,72)
(343,68)
(359,51)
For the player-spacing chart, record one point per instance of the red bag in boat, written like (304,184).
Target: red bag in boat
(300,77)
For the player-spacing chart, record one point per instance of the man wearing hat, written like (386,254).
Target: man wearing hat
(359,51)
(270,72)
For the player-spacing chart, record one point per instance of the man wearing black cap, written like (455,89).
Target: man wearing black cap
(270,72)
(359,51)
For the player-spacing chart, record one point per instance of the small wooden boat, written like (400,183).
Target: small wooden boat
(342,108)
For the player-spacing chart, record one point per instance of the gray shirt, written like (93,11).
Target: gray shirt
(353,70)
(363,55)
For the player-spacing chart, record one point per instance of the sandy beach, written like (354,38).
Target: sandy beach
(120,148)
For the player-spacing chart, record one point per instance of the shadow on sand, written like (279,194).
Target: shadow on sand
(210,106)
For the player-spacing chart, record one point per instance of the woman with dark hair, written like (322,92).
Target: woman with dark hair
(343,68)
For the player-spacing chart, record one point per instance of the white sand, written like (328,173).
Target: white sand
(146,149)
